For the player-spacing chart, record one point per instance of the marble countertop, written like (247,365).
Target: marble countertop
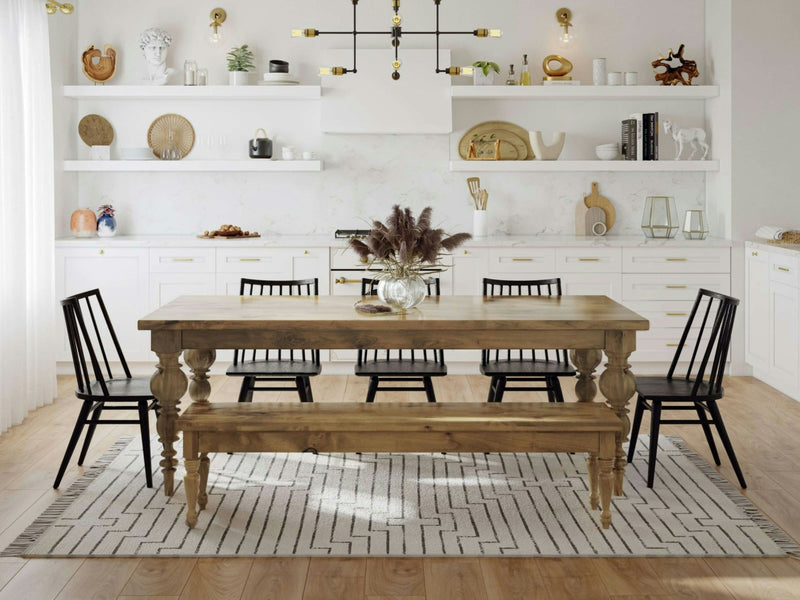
(322,241)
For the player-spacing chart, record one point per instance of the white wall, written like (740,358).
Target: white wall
(365,175)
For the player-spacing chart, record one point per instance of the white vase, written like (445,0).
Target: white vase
(541,151)
(238,77)
(478,78)
(480,224)
(599,76)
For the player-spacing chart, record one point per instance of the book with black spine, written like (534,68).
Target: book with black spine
(632,140)
(623,141)
(647,136)
(655,136)
(639,118)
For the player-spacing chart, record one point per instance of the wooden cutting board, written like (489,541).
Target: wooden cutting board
(596,200)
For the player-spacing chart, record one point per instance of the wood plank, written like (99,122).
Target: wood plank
(335,578)
(512,578)
(627,576)
(687,578)
(106,577)
(41,579)
(752,579)
(8,570)
(217,579)
(159,577)
(572,579)
(395,577)
(276,579)
(454,579)
(147,598)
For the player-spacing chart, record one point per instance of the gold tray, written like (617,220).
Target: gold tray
(158,134)
(515,142)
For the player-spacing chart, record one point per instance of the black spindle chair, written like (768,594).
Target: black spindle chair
(89,332)
(533,365)
(400,365)
(700,388)
(256,366)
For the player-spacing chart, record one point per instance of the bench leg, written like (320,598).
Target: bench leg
(594,480)
(202,496)
(191,481)
(606,460)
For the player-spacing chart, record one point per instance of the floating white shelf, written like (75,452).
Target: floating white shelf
(585,92)
(201,92)
(533,166)
(188,165)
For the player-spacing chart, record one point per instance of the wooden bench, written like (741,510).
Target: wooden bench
(417,427)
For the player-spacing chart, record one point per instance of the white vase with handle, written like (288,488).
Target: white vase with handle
(542,151)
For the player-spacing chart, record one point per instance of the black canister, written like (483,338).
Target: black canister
(260,146)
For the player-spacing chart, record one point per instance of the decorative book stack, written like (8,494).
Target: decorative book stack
(639,137)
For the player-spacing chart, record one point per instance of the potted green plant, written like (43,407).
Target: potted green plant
(484,72)
(240,62)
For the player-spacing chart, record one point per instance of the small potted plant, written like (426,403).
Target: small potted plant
(240,62)
(484,72)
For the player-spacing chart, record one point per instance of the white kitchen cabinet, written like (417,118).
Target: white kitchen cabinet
(592,284)
(165,287)
(784,355)
(121,275)
(757,308)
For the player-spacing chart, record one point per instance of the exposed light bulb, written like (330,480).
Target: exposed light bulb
(566,38)
(216,37)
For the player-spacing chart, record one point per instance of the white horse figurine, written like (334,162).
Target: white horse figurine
(691,135)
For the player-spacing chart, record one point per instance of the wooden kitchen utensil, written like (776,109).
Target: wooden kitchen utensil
(474,185)
(95,131)
(595,199)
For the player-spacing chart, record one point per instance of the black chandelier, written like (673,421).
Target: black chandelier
(396,32)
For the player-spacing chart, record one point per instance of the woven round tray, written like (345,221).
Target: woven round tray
(95,131)
(182,134)
(788,238)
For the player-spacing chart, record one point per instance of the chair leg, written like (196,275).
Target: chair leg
(307,384)
(655,424)
(551,394)
(557,389)
(726,442)
(426,381)
(501,389)
(90,432)
(144,426)
(492,389)
(301,388)
(637,422)
(246,391)
(73,441)
(701,413)
(373,389)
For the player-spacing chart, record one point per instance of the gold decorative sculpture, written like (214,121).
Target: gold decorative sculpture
(559,73)
(99,66)
(675,68)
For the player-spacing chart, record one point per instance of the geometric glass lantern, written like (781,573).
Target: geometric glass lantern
(694,225)
(660,217)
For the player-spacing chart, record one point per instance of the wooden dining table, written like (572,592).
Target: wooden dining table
(587,326)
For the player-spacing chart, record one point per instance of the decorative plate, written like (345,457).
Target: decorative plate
(182,134)
(509,134)
(95,131)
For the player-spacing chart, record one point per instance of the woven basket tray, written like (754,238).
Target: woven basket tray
(789,237)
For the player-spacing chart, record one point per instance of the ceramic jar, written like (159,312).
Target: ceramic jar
(83,223)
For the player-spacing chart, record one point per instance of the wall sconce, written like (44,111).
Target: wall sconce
(218,16)
(564,18)
(53,7)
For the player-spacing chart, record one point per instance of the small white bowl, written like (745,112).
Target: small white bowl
(142,153)
(607,153)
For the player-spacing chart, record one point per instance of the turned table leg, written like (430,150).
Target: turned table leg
(168,385)
(618,386)
(586,362)
(200,361)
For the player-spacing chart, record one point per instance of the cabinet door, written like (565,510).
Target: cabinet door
(312,262)
(784,353)
(592,284)
(469,269)
(165,287)
(757,306)
(121,276)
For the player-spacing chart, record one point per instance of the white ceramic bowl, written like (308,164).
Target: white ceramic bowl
(607,153)
(142,153)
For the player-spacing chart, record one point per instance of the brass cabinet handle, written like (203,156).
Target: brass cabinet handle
(305,251)
(339,280)
(677,314)
(522,259)
(249,260)
(671,345)
(677,287)
(784,269)
(676,260)
(754,253)
(466,251)
(182,260)
(589,260)
(102,252)
(363,259)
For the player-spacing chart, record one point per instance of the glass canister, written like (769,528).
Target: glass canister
(189,72)
(695,226)
(660,217)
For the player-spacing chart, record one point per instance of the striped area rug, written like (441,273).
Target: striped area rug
(404,505)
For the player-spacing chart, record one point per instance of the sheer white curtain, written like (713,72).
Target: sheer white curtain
(27,303)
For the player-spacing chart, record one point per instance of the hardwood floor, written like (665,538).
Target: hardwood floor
(763,425)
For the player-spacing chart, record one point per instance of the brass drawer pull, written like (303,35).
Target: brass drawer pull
(522,259)
(677,314)
(102,252)
(363,260)
(182,260)
(305,251)
(589,260)
(345,280)
(671,345)
(249,260)
(677,287)
(784,269)
(754,253)
(676,260)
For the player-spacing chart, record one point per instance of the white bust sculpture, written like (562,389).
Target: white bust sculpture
(155,43)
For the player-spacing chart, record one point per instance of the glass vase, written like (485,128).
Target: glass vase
(660,217)
(695,226)
(402,292)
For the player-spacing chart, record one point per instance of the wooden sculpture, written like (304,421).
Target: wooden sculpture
(99,66)
(676,67)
